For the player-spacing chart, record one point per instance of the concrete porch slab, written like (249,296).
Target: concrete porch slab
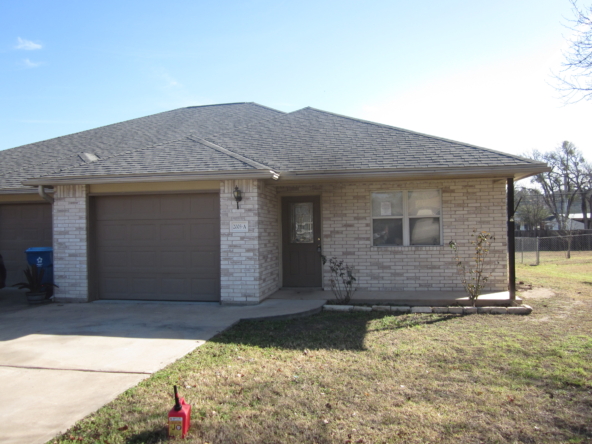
(410,298)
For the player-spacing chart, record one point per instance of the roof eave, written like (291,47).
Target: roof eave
(18,191)
(131,178)
(515,172)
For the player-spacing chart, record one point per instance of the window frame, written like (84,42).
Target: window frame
(405,218)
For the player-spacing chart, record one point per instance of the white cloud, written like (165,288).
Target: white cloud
(30,64)
(27,45)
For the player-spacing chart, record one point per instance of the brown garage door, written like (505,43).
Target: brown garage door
(161,247)
(22,226)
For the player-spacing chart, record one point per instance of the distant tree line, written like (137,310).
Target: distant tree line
(564,190)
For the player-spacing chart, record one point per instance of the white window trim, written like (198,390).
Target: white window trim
(405,217)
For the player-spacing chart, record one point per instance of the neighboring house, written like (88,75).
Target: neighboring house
(144,209)
(523,226)
(575,222)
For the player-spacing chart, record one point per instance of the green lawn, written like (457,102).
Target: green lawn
(373,378)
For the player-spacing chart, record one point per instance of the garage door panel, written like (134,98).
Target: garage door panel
(144,285)
(158,248)
(145,232)
(115,285)
(204,260)
(112,210)
(112,232)
(141,260)
(179,286)
(175,259)
(208,233)
(22,226)
(173,232)
(12,234)
(144,207)
(177,205)
(204,208)
(210,290)
(31,212)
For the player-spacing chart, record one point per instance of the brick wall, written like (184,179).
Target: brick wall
(70,234)
(466,205)
(249,261)
(269,240)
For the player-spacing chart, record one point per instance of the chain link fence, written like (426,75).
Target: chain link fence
(534,250)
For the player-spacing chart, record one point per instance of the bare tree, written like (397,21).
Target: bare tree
(581,176)
(532,210)
(559,189)
(575,78)
(587,195)
(559,185)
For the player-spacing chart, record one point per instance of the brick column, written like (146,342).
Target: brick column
(249,262)
(70,243)
(238,250)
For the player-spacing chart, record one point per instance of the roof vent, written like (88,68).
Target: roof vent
(88,157)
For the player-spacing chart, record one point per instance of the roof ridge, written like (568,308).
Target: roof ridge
(96,128)
(470,145)
(139,118)
(258,122)
(232,103)
(230,153)
(186,136)
(214,104)
(267,107)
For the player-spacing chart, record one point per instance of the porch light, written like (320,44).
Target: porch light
(238,196)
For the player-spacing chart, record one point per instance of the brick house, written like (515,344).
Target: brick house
(146,209)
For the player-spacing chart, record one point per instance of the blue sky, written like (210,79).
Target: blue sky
(477,72)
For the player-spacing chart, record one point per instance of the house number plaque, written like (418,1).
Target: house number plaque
(239,226)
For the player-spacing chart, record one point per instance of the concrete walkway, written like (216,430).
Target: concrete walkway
(61,362)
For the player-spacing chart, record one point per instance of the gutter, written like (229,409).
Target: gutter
(90,180)
(517,173)
(44,195)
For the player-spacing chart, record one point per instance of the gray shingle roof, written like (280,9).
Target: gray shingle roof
(180,156)
(59,154)
(314,140)
(215,138)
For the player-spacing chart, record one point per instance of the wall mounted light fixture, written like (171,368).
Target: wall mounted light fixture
(238,196)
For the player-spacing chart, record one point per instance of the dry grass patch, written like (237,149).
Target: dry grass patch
(570,277)
(374,377)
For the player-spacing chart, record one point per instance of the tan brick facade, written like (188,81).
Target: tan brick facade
(466,205)
(249,261)
(70,243)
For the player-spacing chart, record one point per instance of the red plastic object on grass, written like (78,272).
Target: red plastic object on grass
(179,418)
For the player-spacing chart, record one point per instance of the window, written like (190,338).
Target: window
(406,218)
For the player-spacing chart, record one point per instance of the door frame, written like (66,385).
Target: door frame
(298,196)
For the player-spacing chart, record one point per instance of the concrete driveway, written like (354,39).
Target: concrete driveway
(61,362)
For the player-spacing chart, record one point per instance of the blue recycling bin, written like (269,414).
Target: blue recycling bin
(43,258)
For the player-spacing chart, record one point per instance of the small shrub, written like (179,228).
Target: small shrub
(472,272)
(343,282)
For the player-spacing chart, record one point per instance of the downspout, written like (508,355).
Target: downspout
(44,195)
(511,243)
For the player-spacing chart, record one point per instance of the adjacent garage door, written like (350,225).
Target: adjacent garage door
(22,226)
(157,247)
